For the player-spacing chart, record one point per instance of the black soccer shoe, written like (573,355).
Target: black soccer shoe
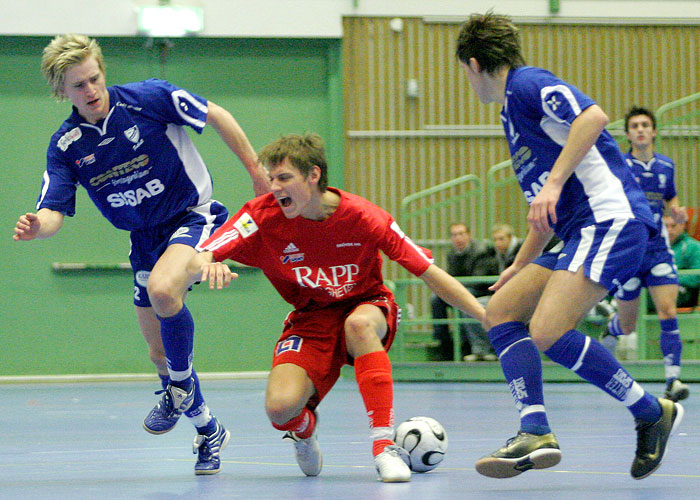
(653,437)
(521,453)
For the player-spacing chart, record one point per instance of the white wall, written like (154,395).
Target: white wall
(310,18)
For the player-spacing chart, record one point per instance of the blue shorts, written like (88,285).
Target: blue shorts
(610,252)
(190,228)
(658,268)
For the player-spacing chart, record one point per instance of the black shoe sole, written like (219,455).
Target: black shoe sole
(503,468)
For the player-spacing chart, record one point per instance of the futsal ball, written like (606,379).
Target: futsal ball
(425,441)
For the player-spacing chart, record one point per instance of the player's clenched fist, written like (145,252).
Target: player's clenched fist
(27,227)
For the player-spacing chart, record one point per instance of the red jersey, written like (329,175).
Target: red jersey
(315,264)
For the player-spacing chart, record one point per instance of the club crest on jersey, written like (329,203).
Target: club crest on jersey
(245,225)
(553,102)
(134,136)
(291,343)
(68,138)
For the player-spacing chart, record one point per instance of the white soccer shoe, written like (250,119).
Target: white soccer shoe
(307,451)
(392,465)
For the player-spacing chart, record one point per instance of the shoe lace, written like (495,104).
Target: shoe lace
(304,447)
(166,402)
(644,442)
(514,438)
(392,450)
(201,446)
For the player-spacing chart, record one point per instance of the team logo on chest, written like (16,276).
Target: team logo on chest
(338,281)
(292,254)
(134,136)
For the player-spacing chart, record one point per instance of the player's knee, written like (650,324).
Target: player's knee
(543,333)
(281,407)
(163,298)
(666,310)
(357,324)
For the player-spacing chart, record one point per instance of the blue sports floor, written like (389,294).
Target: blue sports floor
(85,441)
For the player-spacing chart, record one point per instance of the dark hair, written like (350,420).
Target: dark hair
(638,111)
(493,40)
(303,151)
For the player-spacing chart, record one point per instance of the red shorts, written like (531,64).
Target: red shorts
(315,341)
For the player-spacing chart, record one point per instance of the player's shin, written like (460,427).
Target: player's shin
(522,367)
(373,373)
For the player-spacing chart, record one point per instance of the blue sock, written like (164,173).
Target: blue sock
(198,402)
(671,348)
(522,367)
(595,364)
(614,328)
(177,333)
(164,380)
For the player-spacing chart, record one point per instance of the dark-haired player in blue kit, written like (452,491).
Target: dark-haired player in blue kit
(655,174)
(578,186)
(127,146)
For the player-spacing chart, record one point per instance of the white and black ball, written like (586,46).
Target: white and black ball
(425,440)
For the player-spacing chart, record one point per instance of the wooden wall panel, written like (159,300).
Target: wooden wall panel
(397,145)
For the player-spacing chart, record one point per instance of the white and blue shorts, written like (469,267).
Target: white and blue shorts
(610,252)
(190,228)
(658,268)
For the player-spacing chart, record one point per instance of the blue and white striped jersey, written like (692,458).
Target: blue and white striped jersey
(537,116)
(138,165)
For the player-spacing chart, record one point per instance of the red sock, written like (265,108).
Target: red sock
(373,373)
(302,425)
(379,445)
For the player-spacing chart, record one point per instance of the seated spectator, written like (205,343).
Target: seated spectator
(467,257)
(505,244)
(686,251)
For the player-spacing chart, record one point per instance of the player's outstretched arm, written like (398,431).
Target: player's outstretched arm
(43,224)
(232,134)
(452,291)
(202,267)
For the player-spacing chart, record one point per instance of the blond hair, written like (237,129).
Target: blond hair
(62,53)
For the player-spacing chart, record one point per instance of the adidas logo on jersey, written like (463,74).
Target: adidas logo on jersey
(291,248)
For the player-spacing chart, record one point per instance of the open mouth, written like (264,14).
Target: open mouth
(285,201)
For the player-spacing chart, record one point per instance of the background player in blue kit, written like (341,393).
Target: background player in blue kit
(655,174)
(127,146)
(578,186)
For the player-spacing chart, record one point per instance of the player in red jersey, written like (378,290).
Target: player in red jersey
(319,246)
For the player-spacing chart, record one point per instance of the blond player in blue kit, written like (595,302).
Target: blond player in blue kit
(128,147)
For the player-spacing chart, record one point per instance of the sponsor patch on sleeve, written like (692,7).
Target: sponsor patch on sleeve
(245,225)
(68,138)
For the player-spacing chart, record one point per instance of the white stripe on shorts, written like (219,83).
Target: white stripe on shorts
(605,246)
(584,247)
(601,255)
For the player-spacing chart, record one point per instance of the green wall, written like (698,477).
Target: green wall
(84,322)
